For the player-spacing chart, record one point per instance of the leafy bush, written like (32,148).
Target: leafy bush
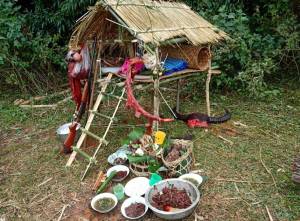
(33,42)
(29,61)
(265,42)
(265,38)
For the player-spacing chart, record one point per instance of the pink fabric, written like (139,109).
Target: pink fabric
(136,68)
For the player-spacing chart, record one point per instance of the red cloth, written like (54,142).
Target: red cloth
(133,69)
(197,123)
(75,84)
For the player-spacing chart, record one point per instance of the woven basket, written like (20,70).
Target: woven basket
(139,169)
(197,57)
(184,163)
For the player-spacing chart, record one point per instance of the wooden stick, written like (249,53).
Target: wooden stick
(237,181)
(99,179)
(62,212)
(264,165)
(46,181)
(38,106)
(207,88)
(148,5)
(226,140)
(38,98)
(178,96)
(269,214)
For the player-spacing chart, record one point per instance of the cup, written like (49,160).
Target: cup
(119,191)
(155,178)
(159,137)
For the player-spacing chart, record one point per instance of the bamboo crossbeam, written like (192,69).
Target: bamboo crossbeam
(148,5)
(170,29)
(94,136)
(102,115)
(85,155)
(136,32)
(114,96)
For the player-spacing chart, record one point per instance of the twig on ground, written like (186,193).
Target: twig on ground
(62,212)
(44,182)
(236,187)
(238,123)
(226,140)
(269,214)
(38,106)
(238,181)
(269,172)
(64,100)
(41,200)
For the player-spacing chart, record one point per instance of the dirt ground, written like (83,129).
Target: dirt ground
(247,161)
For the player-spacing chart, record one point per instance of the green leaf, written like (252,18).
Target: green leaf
(136,134)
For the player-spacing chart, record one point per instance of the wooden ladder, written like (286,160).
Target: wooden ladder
(85,131)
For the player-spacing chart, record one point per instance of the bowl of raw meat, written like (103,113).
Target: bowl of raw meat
(172,199)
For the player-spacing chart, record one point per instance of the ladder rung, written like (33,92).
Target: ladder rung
(85,155)
(114,96)
(94,136)
(103,115)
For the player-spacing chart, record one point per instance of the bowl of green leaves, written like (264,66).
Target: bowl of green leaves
(104,202)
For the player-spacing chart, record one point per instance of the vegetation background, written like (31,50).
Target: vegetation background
(245,178)
(264,49)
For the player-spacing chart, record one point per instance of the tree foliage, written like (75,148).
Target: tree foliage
(265,41)
(264,46)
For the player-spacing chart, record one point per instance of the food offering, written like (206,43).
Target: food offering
(135,210)
(171,198)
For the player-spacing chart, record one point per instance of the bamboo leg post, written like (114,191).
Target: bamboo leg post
(156,102)
(178,95)
(207,88)
(89,121)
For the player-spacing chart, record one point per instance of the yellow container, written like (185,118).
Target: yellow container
(159,137)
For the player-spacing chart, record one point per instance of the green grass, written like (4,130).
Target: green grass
(239,186)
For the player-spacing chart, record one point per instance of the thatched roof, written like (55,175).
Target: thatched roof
(147,20)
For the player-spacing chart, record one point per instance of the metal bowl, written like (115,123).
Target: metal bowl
(63,131)
(191,189)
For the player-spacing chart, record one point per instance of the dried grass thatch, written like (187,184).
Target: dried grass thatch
(147,20)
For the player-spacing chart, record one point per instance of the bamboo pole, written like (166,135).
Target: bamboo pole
(207,88)
(89,121)
(178,95)
(156,100)
(154,6)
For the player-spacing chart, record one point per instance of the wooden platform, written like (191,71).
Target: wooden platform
(174,76)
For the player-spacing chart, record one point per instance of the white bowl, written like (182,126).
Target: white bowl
(118,168)
(194,176)
(137,186)
(130,201)
(101,196)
